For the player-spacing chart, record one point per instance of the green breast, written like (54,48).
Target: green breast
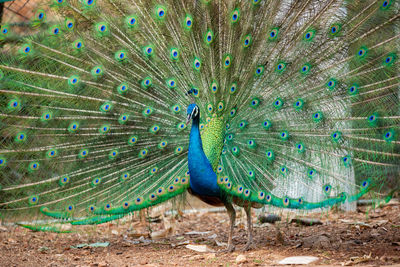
(212,138)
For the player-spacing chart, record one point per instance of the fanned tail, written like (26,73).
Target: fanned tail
(299,103)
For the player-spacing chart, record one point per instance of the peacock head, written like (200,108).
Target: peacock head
(193,112)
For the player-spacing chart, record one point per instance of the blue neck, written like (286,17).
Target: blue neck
(203,180)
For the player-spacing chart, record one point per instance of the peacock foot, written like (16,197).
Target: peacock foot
(230,248)
(248,246)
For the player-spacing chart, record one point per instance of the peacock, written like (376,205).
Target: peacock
(113,106)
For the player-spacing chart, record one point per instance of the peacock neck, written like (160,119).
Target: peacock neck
(203,180)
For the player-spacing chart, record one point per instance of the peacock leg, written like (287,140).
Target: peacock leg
(249,228)
(232,217)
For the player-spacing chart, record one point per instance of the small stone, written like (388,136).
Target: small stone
(241,259)
(196,257)
(298,260)
(321,241)
(210,256)
(114,232)
(306,221)
(270,218)
(199,248)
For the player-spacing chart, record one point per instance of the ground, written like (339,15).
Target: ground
(366,237)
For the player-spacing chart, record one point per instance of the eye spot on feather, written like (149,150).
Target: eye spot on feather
(64,180)
(33,166)
(51,153)
(353,90)
(346,161)
(162,144)
(267,124)
(317,116)
(362,52)
(300,147)
(104,129)
(235,16)
(124,176)
(3,162)
(155,129)
(214,87)
(152,197)
(233,88)
(55,31)
(101,28)
(251,144)
(235,151)
(305,69)
(389,135)
(209,37)
(77,45)
(280,67)
(242,124)
(227,61)
(90,2)
(273,34)
(20,137)
(286,201)
(389,60)
(171,83)
(181,126)
(171,188)
(372,119)
(188,22)
(309,35)
(160,12)
(160,191)
(107,207)
(131,21)
(143,153)
(132,140)
(283,170)
(259,71)
(232,113)
(327,189)
(14,104)
(196,64)
(113,154)
(33,200)
(311,173)
(96,181)
(83,153)
(247,41)
(240,189)
(91,208)
(278,103)
(299,104)
(386,4)
(246,192)
(178,150)
(284,135)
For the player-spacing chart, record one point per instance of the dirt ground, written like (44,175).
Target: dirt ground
(366,237)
